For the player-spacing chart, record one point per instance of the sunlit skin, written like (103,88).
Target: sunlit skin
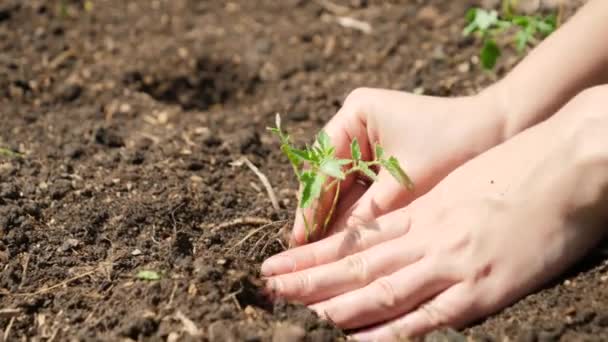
(520,167)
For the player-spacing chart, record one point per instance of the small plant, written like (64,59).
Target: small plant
(9,153)
(148,275)
(489,24)
(319,170)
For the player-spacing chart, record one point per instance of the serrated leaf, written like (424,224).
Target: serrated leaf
(148,275)
(368,172)
(379,152)
(312,184)
(392,166)
(323,141)
(295,160)
(301,154)
(355,149)
(489,54)
(332,168)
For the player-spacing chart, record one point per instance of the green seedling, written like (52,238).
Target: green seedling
(148,275)
(529,29)
(319,170)
(8,153)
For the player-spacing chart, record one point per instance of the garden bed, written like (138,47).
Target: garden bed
(129,116)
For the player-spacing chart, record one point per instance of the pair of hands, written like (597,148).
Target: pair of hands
(480,230)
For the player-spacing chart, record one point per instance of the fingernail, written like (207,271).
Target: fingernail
(278,265)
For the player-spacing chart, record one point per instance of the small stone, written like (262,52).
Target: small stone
(464,67)
(69,244)
(70,92)
(288,333)
(125,108)
(221,262)
(136,252)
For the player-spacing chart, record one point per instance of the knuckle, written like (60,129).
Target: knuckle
(304,284)
(357,265)
(434,314)
(353,242)
(387,297)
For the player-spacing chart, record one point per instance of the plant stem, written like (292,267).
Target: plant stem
(333,207)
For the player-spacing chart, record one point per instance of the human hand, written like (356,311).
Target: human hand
(495,229)
(430,136)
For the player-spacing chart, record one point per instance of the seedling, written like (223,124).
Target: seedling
(9,153)
(319,170)
(489,25)
(148,275)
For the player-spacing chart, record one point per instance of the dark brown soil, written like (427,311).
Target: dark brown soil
(129,115)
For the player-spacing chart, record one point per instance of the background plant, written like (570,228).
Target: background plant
(529,30)
(319,170)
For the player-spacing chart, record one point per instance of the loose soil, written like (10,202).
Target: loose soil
(129,115)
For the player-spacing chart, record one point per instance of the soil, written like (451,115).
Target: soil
(128,116)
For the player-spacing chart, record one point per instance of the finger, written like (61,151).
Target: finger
(335,247)
(388,297)
(346,125)
(453,308)
(350,273)
(383,197)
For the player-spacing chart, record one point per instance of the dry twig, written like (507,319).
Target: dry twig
(252,233)
(241,221)
(7,332)
(263,179)
(189,326)
(356,24)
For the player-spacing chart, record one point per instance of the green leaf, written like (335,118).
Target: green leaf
(393,167)
(547,25)
(472,25)
(489,54)
(521,41)
(379,152)
(312,185)
(295,160)
(323,141)
(521,21)
(470,15)
(332,168)
(485,19)
(355,149)
(148,275)
(368,172)
(301,154)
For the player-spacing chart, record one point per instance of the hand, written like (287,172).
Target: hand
(492,231)
(429,136)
